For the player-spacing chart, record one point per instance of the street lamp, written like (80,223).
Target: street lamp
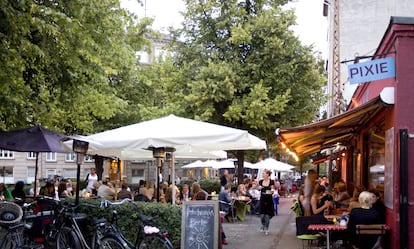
(80,147)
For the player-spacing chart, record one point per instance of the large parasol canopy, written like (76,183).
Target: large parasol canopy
(32,139)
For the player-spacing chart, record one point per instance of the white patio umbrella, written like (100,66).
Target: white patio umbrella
(181,134)
(193,165)
(225,164)
(144,154)
(273,164)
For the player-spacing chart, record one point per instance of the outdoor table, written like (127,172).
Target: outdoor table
(328,228)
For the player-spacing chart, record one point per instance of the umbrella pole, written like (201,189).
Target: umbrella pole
(173,178)
(77,181)
(159,165)
(35,178)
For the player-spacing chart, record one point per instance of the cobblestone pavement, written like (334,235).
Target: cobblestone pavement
(282,231)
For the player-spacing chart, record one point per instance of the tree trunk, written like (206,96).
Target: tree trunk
(240,166)
(99,165)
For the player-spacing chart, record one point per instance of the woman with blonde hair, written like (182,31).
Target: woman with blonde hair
(363,215)
(308,190)
(266,207)
(342,197)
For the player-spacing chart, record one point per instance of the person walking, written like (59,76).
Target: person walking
(266,208)
(224,179)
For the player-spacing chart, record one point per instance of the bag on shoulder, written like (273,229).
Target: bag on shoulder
(87,179)
(296,208)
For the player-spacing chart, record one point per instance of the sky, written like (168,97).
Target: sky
(311,25)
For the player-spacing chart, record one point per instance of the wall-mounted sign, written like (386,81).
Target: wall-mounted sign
(371,70)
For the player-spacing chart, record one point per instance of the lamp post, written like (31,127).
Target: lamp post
(80,147)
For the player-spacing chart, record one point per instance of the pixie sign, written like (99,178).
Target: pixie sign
(371,70)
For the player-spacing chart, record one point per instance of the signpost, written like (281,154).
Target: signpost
(200,225)
(371,70)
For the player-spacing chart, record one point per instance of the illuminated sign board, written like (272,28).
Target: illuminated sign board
(371,70)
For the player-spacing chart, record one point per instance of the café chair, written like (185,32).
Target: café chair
(310,239)
(228,208)
(373,233)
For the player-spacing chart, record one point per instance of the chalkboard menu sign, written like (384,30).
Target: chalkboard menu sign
(200,225)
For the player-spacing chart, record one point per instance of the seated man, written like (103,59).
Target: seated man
(363,215)
(225,201)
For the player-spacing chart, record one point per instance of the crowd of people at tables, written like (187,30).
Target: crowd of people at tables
(251,191)
(365,206)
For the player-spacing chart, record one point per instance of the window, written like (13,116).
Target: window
(50,173)
(69,173)
(6,154)
(6,175)
(6,171)
(137,173)
(51,156)
(31,171)
(88,159)
(376,160)
(31,155)
(70,157)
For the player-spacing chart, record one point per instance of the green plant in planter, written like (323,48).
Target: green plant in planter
(166,217)
(210,185)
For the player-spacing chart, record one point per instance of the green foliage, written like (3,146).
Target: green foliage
(210,185)
(62,63)
(238,63)
(166,217)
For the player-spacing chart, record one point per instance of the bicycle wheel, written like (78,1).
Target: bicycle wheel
(155,242)
(8,242)
(112,242)
(66,238)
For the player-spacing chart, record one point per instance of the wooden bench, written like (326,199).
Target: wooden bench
(373,230)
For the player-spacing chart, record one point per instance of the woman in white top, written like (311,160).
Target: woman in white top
(90,179)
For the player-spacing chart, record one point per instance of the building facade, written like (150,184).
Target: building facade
(376,134)
(355,28)
(21,166)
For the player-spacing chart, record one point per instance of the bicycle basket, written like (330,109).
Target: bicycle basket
(10,213)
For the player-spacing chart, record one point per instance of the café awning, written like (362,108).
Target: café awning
(312,138)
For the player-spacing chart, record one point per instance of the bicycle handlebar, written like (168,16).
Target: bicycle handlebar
(107,203)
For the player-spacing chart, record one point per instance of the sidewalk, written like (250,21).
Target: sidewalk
(282,231)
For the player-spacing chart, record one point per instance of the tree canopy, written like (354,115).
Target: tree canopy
(62,62)
(238,63)
(72,66)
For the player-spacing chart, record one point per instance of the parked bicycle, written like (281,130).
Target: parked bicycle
(148,236)
(13,223)
(69,230)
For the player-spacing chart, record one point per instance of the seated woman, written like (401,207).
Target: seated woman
(363,215)
(342,197)
(242,202)
(354,202)
(318,202)
(169,194)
